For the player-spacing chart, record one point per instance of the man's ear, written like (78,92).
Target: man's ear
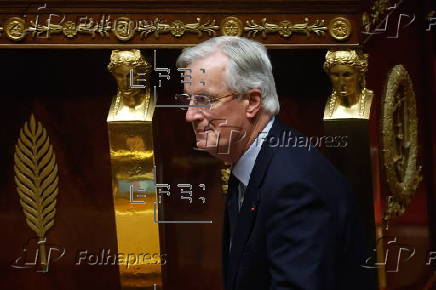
(254,102)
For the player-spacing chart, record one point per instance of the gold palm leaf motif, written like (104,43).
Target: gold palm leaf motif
(36,177)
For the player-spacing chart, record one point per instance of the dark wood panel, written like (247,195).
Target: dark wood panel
(71,101)
(70,91)
(415,228)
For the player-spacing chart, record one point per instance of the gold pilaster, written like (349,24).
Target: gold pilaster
(133,181)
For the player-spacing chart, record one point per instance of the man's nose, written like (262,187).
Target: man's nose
(193,114)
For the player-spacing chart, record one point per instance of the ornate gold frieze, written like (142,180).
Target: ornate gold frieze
(87,25)
(177,28)
(285,28)
(130,103)
(400,142)
(38,30)
(125,29)
(36,177)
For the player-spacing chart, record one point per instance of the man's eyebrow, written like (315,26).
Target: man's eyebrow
(204,92)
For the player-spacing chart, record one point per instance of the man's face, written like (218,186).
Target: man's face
(344,80)
(218,128)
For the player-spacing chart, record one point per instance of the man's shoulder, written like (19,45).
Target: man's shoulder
(292,150)
(295,161)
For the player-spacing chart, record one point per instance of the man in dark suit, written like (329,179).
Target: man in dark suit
(290,222)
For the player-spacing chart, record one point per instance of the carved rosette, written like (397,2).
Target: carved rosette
(124,28)
(69,29)
(177,28)
(285,28)
(340,28)
(231,26)
(15,28)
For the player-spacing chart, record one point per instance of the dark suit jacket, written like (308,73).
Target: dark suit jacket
(297,227)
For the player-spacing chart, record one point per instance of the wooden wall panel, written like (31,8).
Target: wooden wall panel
(69,92)
(415,229)
(71,101)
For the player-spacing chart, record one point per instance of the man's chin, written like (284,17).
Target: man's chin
(213,150)
(203,146)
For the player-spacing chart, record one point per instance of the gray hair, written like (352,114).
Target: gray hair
(249,66)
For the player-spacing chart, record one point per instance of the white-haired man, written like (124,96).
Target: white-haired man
(289,221)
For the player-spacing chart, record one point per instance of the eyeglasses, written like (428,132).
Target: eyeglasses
(200,101)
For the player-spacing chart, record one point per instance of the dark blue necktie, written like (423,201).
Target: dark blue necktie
(232,205)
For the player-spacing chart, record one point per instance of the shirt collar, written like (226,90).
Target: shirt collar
(243,167)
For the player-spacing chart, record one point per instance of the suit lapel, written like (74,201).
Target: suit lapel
(247,214)
(226,226)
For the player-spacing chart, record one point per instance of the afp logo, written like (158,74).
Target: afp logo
(38,255)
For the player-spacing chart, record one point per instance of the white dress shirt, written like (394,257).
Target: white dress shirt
(243,167)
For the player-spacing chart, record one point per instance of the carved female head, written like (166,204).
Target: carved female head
(121,64)
(346,69)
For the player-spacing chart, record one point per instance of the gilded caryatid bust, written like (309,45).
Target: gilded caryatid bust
(349,99)
(133,100)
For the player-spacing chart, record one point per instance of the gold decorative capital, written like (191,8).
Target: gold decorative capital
(352,100)
(130,103)
(346,57)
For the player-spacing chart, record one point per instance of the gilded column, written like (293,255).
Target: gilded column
(133,181)
(346,115)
